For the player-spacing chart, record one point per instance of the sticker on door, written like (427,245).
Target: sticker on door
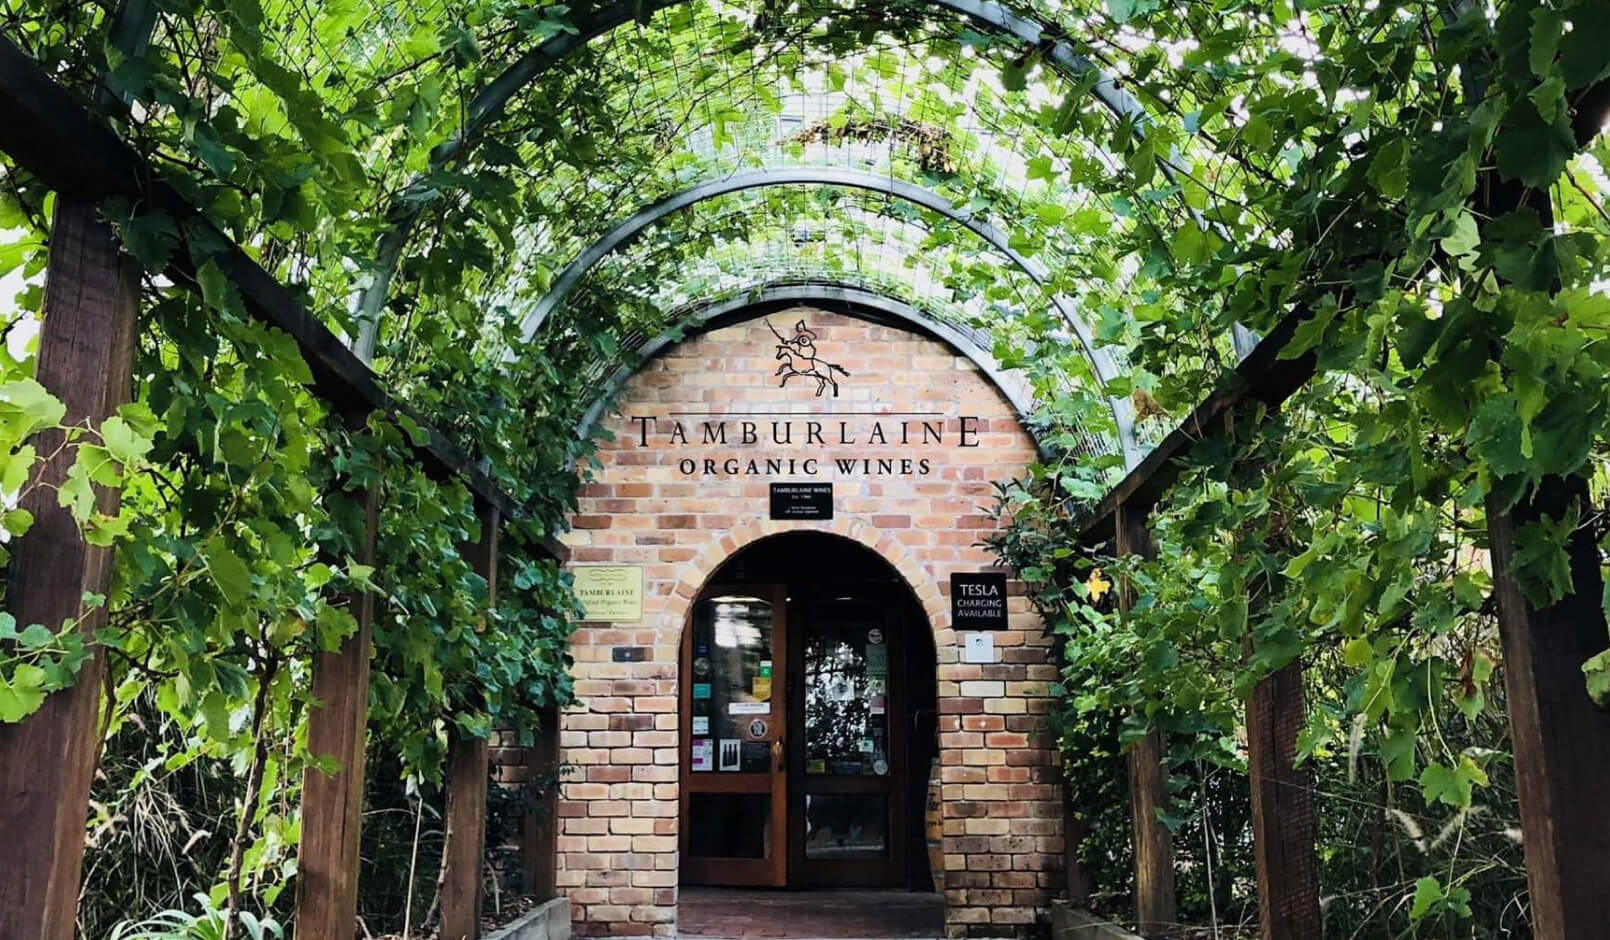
(702,755)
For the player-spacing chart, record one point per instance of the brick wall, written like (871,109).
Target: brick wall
(618,808)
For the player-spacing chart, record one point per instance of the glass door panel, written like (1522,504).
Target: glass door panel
(846,678)
(734,780)
(845,821)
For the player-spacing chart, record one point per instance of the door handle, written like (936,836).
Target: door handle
(777,755)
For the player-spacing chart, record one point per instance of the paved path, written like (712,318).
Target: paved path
(742,914)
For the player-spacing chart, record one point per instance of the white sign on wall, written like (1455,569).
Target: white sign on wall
(978,648)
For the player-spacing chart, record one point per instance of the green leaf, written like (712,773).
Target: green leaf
(1584,54)
(149,238)
(1427,893)
(1311,331)
(1193,245)
(1541,564)
(318,575)
(26,407)
(122,442)
(1397,753)
(75,493)
(17,467)
(1597,673)
(1358,652)
(1495,435)
(1451,785)
(1389,168)
(212,151)
(1531,149)
(215,714)
(1547,28)
(23,694)
(228,572)
(218,291)
(18,521)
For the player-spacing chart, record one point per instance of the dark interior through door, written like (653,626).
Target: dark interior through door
(859,739)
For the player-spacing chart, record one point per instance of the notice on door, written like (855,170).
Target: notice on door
(977,600)
(610,593)
(802,500)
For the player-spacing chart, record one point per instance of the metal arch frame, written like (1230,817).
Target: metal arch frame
(627,230)
(849,299)
(489,103)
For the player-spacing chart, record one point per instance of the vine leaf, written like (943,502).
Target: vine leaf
(1597,672)
(228,572)
(22,695)
(1542,567)
(1531,149)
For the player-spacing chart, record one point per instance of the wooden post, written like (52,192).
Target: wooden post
(1148,771)
(542,826)
(465,838)
(1074,832)
(1282,808)
(464,843)
(1561,739)
(332,804)
(86,358)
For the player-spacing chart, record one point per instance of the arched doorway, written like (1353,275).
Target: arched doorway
(808,713)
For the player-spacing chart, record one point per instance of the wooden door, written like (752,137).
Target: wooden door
(847,816)
(734,789)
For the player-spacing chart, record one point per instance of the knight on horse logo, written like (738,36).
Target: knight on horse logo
(798,357)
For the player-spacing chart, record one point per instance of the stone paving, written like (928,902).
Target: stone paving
(741,914)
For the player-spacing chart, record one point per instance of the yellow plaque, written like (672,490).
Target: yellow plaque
(610,593)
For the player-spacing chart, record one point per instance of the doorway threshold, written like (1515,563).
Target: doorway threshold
(837,914)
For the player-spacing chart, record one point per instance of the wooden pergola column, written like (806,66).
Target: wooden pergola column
(1282,808)
(541,836)
(1155,907)
(467,766)
(332,804)
(1561,738)
(47,761)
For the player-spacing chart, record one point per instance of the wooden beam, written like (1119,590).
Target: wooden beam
(1282,808)
(332,804)
(47,761)
(541,850)
(1262,376)
(51,134)
(464,844)
(1561,739)
(1155,906)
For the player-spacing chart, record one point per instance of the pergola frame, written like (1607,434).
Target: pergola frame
(622,233)
(489,104)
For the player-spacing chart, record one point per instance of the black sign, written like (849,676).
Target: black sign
(756,757)
(977,601)
(802,500)
(629,654)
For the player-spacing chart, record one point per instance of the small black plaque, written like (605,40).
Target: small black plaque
(802,500)
(977,600)
(630,654)
(756,757)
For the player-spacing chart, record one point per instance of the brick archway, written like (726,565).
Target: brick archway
(923,515)
(694,574)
